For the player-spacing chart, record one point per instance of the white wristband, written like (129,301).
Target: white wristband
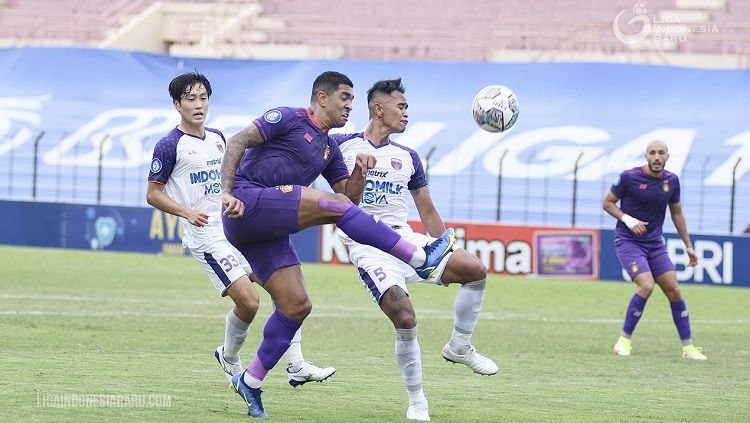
(629,221)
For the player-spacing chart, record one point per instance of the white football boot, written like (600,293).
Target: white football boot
(418,411)
(229,368)
(308,372)
(472,359)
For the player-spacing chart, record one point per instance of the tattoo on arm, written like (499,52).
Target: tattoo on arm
(420,190)
(236,146)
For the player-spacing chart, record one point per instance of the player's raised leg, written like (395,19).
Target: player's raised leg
(467,270)
(318,207)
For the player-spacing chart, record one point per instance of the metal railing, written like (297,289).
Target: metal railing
(474,194)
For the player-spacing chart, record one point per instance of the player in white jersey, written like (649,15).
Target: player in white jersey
(185,181)
(398,170)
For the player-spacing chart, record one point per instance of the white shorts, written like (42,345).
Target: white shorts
(222,263)
(380,271)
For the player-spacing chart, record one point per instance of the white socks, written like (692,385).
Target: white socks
(409,359)
(467,306)
(294,356)
(418,258)
(234,336)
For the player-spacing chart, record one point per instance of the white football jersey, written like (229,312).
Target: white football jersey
(189,167)
(398,170)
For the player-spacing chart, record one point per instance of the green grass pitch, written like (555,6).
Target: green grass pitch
(76,323)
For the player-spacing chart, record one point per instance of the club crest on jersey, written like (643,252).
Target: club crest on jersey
(220,146)
(642,186)
(272,116)
(308,137)
(396,163)
(155,165)
(633,267)
(326,153)
(665,185)
(285,188)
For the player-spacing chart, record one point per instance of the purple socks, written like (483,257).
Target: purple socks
(681,319)
(634,313)
(277,334)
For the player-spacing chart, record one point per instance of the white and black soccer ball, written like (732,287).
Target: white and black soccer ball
(495,108)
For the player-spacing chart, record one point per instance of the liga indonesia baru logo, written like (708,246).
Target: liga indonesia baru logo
(661,30)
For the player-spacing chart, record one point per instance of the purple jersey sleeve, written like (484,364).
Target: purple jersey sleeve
(620,187)
(336,169)
(275,122)
(675,197)
(165,157)
(418,179)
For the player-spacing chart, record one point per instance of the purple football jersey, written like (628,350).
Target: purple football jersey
(645,198)
(295,152)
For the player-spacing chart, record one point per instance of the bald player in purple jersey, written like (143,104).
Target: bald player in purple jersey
(268,198)
(644,194)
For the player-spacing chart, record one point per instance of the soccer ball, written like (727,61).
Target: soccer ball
(495,108)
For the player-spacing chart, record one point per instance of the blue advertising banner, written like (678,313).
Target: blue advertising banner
(136,229)
(114,105)
(720,259)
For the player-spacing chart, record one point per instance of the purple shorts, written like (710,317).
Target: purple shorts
(643,256)
(262,234)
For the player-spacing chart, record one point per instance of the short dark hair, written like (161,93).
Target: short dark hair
(181,84)
(386,87)
(329,82)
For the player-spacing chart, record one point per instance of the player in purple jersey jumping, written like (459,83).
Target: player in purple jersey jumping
(183,181)
(644,193)
(268,198)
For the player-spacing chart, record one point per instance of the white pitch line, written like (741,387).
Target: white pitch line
(428,315)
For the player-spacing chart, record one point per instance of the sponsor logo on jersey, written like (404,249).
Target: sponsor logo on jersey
(285,188)
(308,137)
(396,163)
(155,165)
(377,173)
(326,153)
(205,176)
(665,185)
(214,162)
(272,116)
(642,186)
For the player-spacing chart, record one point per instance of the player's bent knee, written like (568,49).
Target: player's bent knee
(476,271)
(298,310)
(335,203)
(404,320)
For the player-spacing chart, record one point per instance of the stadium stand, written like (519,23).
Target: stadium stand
(433,30)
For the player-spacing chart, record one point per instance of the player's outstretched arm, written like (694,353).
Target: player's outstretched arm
(354,186)
(675,209)
(236,146)
(156,197)
(428,214)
